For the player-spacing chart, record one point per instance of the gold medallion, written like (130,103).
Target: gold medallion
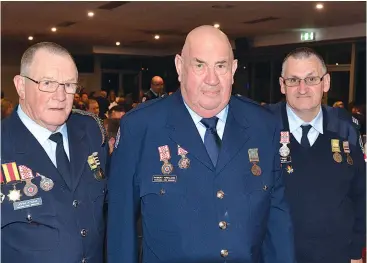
(256,170)
(349,160)
(337,157)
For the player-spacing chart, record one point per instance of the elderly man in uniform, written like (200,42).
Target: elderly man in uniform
(202,168)
(323,165)
(156,89)
(53,163)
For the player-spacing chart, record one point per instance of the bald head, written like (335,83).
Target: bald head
(205,70)
(207,35)
(157,84)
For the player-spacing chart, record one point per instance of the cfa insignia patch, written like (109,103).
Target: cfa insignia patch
(117,138)
(355,121)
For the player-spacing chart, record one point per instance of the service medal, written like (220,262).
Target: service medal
(165,155)
(184,162)
(256,170)
(14,195)
(46,184)
(337,157)
(30,189)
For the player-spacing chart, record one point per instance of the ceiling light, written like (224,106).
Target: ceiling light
(319,6)
(156,37)
(117,43)
(90,14)
(53,29)
(216,25)
(337,64)
(30,38)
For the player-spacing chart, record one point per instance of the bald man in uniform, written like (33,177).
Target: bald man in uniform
(156,89)
(202,169)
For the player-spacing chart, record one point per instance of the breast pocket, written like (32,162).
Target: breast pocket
(163,203)
(97,193)
(33,228)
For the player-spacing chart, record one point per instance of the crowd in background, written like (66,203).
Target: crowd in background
(111,108)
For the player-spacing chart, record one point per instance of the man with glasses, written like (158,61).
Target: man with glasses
(322,165)
(52,166)
(156,89)
(202,169)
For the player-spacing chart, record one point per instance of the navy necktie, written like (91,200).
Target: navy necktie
(304,140)
(62,161)
(212,141)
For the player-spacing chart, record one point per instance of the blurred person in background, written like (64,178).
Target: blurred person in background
(156,89)
(6,108)
(338,104)
(84,97)
(92,106)
(116,112)
(103,103)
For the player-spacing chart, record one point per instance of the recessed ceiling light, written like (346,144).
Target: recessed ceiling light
(90,14)
(337,64)
(156,37)
(319,6)
(30,38)
(216,25)
(117,43)
(54,29)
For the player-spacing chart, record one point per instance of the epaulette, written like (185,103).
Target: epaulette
(347,116)
(97,119)
(144,105)
(245,99)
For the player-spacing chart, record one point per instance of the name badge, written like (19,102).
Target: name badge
(27,203)
(164,179)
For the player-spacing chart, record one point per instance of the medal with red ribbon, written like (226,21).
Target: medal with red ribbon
(184,162)
(30,189)
(165,156)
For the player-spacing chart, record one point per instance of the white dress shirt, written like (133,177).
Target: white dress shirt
(42,135)
(295,123)
(222,118)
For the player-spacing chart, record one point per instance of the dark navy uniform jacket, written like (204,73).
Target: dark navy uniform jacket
(327,198)
(204,213)
(68,226)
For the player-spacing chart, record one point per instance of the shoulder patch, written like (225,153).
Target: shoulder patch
(97,119)
(355,121)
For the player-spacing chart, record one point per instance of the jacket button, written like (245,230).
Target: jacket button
(75,203)
(265,188)
(162,191)
(29,218)
(83,232)
(222,225)
(224,253)
(220,194)
(84,260)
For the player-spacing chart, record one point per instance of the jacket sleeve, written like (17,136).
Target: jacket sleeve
(278,245)
(124,199)
(358,197)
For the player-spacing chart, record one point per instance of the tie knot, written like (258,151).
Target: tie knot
(210,123)
(56,137)
(306,129)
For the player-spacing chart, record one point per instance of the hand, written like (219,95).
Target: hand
(356,261)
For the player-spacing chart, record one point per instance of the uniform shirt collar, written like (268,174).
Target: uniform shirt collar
(295,122)
(40,133)
(222,115)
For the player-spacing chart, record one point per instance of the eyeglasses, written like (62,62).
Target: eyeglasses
(51,86)
(200,67)
(310,81)
(157,84)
